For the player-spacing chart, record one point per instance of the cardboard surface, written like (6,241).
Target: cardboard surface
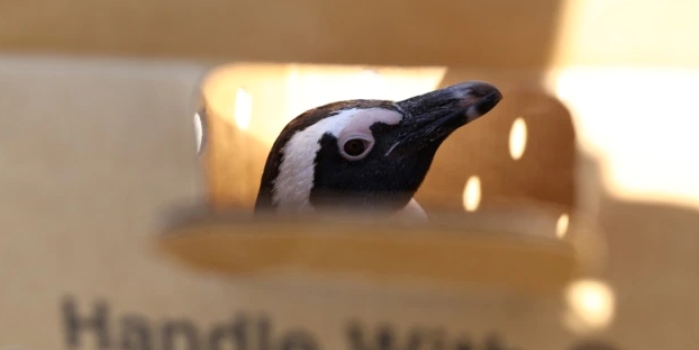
(92,153)
(504,34)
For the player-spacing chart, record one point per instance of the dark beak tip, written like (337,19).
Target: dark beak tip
(496,96)
(485,104)
(479,87)
(490,92)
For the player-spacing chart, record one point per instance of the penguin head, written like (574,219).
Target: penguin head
(365,154)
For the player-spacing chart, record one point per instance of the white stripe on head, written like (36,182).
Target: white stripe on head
(293,185)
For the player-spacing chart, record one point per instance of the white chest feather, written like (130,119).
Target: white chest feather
(412,213)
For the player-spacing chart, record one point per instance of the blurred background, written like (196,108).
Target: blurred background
(99,134)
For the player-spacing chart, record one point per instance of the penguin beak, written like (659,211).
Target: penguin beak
(432,117)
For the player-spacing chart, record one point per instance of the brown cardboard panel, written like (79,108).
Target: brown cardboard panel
(376,32)
(544,173)
(500,33)
(497,250)
(93,152)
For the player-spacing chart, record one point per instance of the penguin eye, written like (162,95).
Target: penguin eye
(353,149)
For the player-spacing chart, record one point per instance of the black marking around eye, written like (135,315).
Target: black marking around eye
(300,123)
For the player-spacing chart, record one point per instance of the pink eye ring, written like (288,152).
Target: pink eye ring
(355,148)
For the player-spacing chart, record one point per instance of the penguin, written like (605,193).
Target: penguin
(369,155)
